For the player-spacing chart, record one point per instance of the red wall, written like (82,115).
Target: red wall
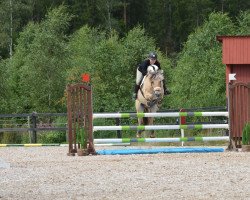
(242,73)
(236,50)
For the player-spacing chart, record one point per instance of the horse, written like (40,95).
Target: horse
(149,97)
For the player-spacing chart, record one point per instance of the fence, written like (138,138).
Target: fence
(31,125)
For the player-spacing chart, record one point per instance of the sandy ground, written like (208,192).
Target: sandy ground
(48,173)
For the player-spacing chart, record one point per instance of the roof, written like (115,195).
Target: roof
(235,49)
(221,37)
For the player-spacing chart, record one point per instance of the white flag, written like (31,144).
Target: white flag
(232,77)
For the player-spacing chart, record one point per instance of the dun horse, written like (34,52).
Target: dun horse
(149,97)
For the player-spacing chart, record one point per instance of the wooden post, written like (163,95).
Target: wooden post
(34,121)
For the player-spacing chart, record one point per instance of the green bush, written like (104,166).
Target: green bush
(246,134)
(10,138)
(52,137)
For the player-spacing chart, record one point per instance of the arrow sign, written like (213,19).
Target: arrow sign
(232,77)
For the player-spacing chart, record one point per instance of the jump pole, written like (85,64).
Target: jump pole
(29,145)
(160,127)
(159,114)
(148,140)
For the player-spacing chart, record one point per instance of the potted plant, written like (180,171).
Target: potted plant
(246,137)
(82,141)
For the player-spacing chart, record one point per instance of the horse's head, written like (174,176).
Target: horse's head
(152,87)
(156,85)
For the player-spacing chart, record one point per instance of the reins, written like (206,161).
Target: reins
(149,102)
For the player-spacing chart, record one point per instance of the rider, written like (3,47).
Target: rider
(142,71)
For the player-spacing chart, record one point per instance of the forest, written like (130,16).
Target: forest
(45,45)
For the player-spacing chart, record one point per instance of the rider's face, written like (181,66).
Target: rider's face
(152,61)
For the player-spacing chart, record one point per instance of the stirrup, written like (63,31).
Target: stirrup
(167,92)
(134,97)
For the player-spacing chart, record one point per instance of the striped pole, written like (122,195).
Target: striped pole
(169,114)
(113,144)
(185,139)
(159,127)
(104,144)
(27,145)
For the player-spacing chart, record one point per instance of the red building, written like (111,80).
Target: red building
(236,57)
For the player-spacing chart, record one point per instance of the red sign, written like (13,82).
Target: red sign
(85,78)
(183,118)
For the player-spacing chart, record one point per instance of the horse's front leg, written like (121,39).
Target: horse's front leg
(139,109)
(139,132)
(151,122)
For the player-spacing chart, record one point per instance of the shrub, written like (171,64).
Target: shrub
(52,137)
(246,134)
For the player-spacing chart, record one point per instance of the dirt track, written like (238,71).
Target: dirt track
(48,173)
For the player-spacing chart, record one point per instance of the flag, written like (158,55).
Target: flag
(85,78)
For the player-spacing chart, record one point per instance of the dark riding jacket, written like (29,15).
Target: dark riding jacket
(144,66)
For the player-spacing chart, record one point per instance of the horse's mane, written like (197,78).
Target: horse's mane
(153,75)
(156,75)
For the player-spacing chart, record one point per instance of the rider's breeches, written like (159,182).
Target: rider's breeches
(139,77)
(164,84)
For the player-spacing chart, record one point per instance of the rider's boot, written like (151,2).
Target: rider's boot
(135,91)
(166,90)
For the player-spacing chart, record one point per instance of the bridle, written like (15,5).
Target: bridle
(150,103)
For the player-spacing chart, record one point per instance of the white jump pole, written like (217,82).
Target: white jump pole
(129,140)
(168,114)
(160,127)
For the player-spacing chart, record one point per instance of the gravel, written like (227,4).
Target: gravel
(48,173)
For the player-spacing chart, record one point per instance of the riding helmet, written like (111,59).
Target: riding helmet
(152,55)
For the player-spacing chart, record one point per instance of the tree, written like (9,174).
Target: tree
(199,78)
(37,71)
(112,63)
(244,23)
(14,15)
(82,45)
(4,95)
